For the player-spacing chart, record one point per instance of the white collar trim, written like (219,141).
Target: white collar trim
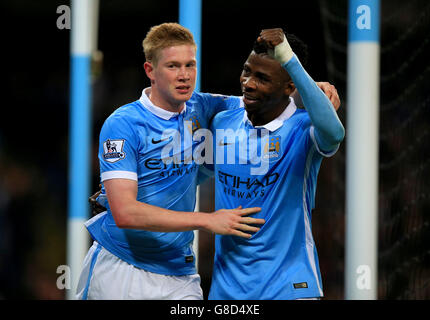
(160,112)
(275,124)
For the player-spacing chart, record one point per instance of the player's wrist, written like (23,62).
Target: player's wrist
(200,221)
(283,52)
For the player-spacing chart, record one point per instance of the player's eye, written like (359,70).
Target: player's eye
(262,77)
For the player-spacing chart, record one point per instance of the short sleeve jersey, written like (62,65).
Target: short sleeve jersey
(143,142)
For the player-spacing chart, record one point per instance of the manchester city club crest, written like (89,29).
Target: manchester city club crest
(113,150)
(272,148)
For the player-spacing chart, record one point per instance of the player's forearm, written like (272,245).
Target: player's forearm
(142,216)
(329,131)
(130,213)
(139,215)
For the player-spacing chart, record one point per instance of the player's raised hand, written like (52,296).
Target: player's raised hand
(234,222)
(275,39)
(272,37)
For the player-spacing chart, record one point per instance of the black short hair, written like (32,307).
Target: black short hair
(298,46)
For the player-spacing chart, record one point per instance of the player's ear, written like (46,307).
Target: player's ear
(149,69)
(289,87)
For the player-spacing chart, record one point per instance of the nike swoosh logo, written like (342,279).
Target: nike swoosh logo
(158,141)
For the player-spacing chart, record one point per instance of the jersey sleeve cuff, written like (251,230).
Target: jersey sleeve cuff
(321,152)
(117,174)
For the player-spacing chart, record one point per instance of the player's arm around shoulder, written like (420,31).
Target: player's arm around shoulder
(215,103)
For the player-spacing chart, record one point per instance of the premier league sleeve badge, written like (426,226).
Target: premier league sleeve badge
(113,150)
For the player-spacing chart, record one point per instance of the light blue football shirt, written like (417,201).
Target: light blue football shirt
(143,142)
(283,159)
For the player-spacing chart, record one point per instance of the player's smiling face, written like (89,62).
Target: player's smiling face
(264,85)
(173,78)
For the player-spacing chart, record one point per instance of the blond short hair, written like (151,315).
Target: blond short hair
(163,36)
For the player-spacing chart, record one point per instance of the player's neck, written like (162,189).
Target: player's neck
(158,100)
(263,118)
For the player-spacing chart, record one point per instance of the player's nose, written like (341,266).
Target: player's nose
(183,73)
(248,83)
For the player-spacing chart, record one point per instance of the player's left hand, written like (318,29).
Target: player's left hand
(277,43)
(272,37)
(96,207)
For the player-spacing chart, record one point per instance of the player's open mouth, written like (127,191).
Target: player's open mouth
(183,89)
(247,99)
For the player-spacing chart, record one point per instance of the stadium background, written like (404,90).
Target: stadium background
(34,127)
